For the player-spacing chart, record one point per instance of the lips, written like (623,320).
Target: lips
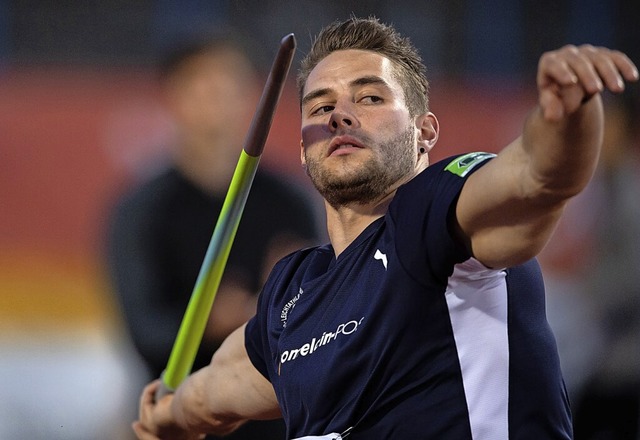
(343,142)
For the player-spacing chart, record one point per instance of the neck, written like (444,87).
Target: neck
(346,223)
(208,163)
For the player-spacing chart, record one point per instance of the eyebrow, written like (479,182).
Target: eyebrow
(362,81)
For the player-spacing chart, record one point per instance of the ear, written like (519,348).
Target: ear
(428,129)
(303,161)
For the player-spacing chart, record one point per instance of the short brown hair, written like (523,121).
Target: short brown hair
(370,34)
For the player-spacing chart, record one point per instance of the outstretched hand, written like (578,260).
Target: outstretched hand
(571,75)
(155,421)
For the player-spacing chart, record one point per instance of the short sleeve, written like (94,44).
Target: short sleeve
(423,216)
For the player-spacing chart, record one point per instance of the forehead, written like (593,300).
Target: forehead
(343,66)
(213,65)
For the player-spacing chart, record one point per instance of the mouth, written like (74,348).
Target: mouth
(343,144)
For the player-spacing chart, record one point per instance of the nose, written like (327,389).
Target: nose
(341,118)
(340,121)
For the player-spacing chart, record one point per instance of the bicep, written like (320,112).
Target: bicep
(503,214)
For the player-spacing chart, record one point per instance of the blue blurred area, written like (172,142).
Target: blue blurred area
(491,37)
(5,33)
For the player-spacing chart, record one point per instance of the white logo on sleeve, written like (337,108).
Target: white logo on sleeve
(382,257)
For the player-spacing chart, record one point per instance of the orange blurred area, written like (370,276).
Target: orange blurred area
(73,139)
(42,293)
(63,133)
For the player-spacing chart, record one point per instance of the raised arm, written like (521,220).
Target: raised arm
(508,209)
(216,399)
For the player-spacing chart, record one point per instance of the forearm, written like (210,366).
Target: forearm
(216,399)
(191,407)
(562,137)
(553,160)
(222,396)
(561,155)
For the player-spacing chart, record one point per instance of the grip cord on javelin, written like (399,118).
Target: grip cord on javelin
(195,319)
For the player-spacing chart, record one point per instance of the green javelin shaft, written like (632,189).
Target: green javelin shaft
(195,319)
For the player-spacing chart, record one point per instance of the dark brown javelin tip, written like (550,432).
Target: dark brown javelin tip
(263,117)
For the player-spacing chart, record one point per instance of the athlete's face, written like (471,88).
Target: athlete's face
(358,140)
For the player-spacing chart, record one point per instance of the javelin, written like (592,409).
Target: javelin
(195,318)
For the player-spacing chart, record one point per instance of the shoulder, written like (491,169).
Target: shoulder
(283,204)
(154,190)
(147,198)
(276,186)
(442,180)
(421,215)
(453,168)
(464,164)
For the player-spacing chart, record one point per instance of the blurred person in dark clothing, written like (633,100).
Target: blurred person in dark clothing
(608,406)
(593,286)
(160,231)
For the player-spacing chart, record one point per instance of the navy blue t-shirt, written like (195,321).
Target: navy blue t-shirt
(405,336)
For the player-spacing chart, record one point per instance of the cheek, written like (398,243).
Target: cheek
(312,134)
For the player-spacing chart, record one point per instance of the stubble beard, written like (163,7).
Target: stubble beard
(370,181)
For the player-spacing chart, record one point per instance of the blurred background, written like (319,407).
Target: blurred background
(80,122)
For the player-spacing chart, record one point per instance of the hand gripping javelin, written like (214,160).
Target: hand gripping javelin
(204,292)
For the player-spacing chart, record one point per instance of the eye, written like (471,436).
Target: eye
(372,99)
(322,110)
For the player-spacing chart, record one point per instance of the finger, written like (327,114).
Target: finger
(598,67)
(553,68)
(147,403)
(591,66)
(141,432)
(625,66)
(148,393)
(551,105)
(606,64)
(565,76)
(144,402)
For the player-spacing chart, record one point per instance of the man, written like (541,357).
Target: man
(160,231)
(424,317)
